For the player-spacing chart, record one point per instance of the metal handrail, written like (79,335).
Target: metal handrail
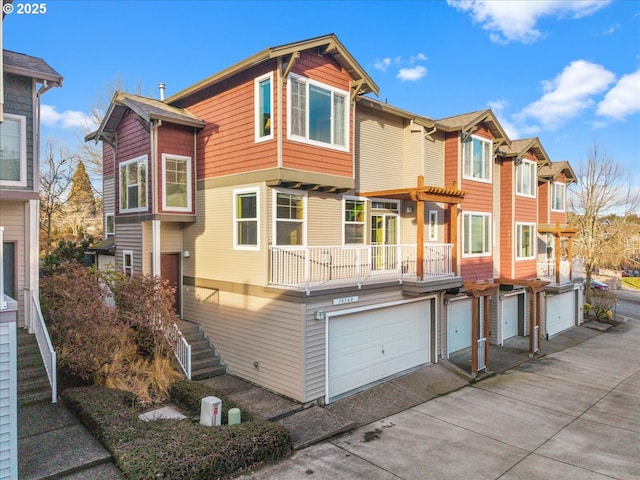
(44,344)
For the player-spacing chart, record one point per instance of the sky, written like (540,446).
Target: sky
(567,72)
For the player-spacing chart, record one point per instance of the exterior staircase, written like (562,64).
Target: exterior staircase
(33,383)
(204,361)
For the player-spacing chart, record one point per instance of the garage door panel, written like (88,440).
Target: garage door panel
(459,325)
(509,317)
(368,346)
(560,312)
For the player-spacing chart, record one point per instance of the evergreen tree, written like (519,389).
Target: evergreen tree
(81,194)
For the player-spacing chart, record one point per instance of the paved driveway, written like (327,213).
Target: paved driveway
(574,414)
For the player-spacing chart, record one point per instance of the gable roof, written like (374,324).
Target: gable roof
(398,112)
(147,109)
(28,66)
(519,148)
(551,172)
(326,43)
(468,122)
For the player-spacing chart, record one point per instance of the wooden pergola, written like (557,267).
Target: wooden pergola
(477,290)
(560,231)
(426,193)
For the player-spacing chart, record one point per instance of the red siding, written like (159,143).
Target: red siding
(177,140)
(133,141)
(507,239)
(108,167)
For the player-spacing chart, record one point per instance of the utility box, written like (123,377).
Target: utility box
(210,411)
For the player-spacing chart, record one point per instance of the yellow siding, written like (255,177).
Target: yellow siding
(171,237)
(324,219)
(12,218)
(434,160)
(412,161)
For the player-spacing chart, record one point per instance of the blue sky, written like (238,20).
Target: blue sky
(567,72)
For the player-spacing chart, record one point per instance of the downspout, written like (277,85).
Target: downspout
(155,223)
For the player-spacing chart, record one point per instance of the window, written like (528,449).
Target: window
(13,151)
(354,221)
(476,232)
(176,172)
(245,214)
(289,218)
(109,224)
(525,234)
(477,158)
(127,262)
(557,197)
(9,269)
(433,225)
(263,104)
(133,185)
(526,178)
(318,114)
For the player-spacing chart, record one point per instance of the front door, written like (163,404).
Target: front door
(384,238)
(170,271)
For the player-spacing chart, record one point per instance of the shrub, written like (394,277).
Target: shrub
(601,303)
(174,449)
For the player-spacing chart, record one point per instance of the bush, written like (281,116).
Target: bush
(601,303)
(174,449)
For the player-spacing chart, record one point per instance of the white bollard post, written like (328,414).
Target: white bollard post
(210,411)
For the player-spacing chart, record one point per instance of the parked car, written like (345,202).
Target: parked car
(631,273)
(625,273)
(597,285)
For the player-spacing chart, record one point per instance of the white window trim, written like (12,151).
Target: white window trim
(126,253)
(274,206)
(306,139)
(433,225)
(490,160)
(237,192)
(107,233)
(146,189)
(345,198)
(534,178)
(517,242)
(22,125)
(165,207)
(256,97)
(491,235)
(564,197)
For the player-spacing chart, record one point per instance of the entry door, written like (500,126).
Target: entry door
(510,317)
(384,238)
(459,325)
(170,271)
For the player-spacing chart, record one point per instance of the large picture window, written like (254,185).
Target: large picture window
(176,172)
(558,197)
(354,221)
(263,102)
(525,234)
(478,157)
(476,233)
(318,113)
(246,219)
(289,218)
(133,185)
(13,151)
(526,178)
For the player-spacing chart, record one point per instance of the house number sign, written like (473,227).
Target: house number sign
(343,300)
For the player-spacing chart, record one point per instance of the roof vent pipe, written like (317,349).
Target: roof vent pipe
(161,87)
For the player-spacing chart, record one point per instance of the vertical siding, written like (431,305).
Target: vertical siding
(133,141)
(12,218)
(247,329)
(8,401)
(18,100)
(130,238)
(176,140)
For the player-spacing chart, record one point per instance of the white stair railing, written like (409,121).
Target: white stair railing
(181,348)
(46,347)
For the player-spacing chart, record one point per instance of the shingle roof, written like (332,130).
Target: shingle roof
(523,145)
(150,108)
(459,121)
(553,170)
(28,66)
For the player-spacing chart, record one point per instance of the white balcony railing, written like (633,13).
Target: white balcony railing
(44,343)
(181,348)
(308,267)
(547,270)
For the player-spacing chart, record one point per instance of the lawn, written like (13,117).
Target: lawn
(631,282)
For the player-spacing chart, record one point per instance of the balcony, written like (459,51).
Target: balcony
(568,273)
(330,266)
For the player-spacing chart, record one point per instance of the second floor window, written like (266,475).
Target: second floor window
(525,233)
(476,234)
(558,197)
(289,218)
(109,225)
(477,159)
(263,101)
(13,151)
(133,185)
(176,171)
(318,113)
(354,221)
(526,178)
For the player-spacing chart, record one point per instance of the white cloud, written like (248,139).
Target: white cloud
(50,117)
(611,29)
(418,57)
(382,64)
(412,74)
(511,21)
(623,99)
(569,93)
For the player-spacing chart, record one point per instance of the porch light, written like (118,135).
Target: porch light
(186,254)
(320,315)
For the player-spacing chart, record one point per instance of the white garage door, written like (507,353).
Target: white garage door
(560,312)
(367,346)
(459,325)
(509,317)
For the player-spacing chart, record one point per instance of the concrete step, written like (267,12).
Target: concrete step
(203,373)
(34,397)
(33,384)
(202,353)
(211,361)
(31,371)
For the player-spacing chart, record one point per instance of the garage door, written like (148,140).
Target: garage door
(367,346)
(509,317)
(459,325)
(560,312)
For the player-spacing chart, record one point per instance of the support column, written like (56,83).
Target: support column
(155,247)
(474,336)
(453,238)
(485,331)
(532,321)
(420,231)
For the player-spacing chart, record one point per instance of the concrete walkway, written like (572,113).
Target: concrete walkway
(573,414)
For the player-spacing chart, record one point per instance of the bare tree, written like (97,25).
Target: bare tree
(601,206)
(55,177)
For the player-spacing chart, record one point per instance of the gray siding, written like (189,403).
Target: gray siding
(129,237)
(8,402)
(109,195)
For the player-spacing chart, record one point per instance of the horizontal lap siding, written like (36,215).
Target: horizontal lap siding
(434,173)
(558,217)
(171,237)
(324,219)
(301,156)
(133,141)
(451,149)
(130,237)
(226,145)
(12,218)
(176,140)
(526,212)
(379,150)
(506,217)
(8,411)
(108,185)
(108,159)
(245,329)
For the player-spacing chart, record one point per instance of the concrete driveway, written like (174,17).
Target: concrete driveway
(574,414)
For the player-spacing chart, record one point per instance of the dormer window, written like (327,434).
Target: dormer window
(477,159)
(13,151)
(318,114)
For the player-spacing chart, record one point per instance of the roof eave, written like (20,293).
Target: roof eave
(56,80)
